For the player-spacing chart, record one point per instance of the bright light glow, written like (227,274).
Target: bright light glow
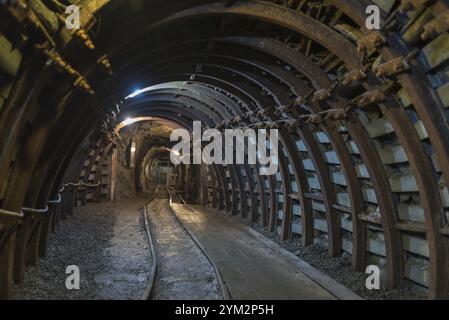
(129,121)
(133,149)
(150,88)
(176,153)
(137,92)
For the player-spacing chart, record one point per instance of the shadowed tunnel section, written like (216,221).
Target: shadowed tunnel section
(362,118)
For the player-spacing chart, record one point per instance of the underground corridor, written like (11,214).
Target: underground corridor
(99,199)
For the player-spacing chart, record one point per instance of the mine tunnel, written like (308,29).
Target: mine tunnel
(87,116)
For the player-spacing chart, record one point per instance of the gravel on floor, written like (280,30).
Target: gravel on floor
(340,269)
(184,273)
(107,242)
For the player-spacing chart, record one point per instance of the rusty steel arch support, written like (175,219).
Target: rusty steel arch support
(265,71)
(273,207)
(429,109)
(336,242)
(233,171)
(397,278)
(318,77)
(332,223)
(323,86)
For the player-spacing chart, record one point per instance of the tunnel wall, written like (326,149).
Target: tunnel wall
(362,116)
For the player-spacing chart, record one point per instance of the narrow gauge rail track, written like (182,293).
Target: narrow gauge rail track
(181,268)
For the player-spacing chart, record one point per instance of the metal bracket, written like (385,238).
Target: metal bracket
(292,123)
(368,98)
(371,42)
(314,119)
(392,67)
(321,95)
(261,112)
(84,37)
(438,25)
(281,109)
(353,76)
(226,123)
(336,114)
(56,58)
(82,83)
(248,114)
(236,120)
(407,5)
(271,125)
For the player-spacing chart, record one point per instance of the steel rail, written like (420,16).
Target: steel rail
(224,288)
(149,289)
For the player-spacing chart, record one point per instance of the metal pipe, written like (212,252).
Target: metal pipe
(70,185)
(54,202)
(32,210)
(11,214)
(77,185)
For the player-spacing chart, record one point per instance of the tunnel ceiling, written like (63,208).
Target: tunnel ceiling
(361,114)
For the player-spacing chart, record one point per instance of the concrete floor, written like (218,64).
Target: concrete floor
(250,269)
